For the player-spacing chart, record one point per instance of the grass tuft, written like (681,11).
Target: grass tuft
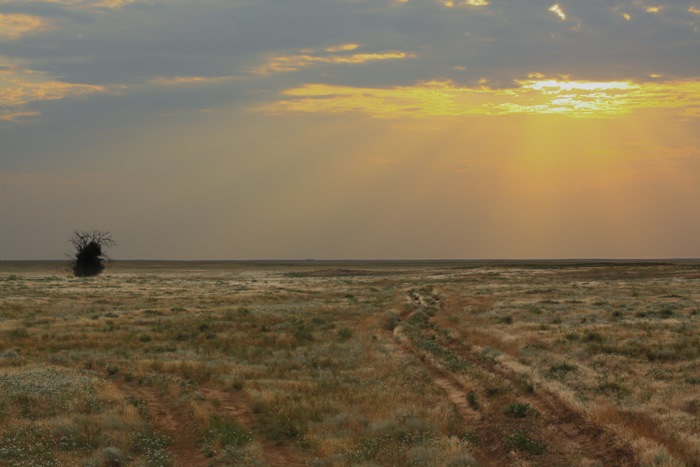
(521,441)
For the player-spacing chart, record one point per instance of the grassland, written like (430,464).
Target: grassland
(350,364)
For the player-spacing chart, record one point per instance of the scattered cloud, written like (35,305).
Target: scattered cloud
(190,80)
(532,96)
(342,48)
(13,26)
(453,3)
(113,4)
(296,61)
(180,45)
(463,3)
(21,87)
(81,4)
(7,115)
(557,10)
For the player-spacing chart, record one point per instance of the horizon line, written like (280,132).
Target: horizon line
(417,260)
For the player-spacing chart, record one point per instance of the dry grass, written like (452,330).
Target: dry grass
(297,364)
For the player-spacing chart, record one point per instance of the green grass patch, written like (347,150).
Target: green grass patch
(519,410)
(521,441)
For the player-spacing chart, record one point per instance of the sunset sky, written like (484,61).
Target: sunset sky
(351,129)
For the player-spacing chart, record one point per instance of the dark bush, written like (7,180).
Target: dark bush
(89,257)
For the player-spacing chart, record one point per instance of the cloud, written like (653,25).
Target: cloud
(80,4)
(13,26)
(14,116)
(180,45)
(453,3)
(342,48)
(463,3)
(583,99)
(21,87)
(190,80)
(296,61)
(113,4)
(557,10)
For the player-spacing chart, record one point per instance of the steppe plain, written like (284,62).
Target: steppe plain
(351,364)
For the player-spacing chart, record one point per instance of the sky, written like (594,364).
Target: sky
(351,129)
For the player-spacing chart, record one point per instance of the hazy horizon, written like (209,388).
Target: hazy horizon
(341,261)
(357,129)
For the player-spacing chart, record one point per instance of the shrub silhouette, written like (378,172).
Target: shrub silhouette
(89,257)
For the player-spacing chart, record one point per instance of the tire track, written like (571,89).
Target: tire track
(453,389)
(236,405)
(571,438)
(170,418)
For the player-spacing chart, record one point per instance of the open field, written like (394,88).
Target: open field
(340,364)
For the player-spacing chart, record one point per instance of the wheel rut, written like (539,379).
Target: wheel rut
(236,405)
(570,438)
(170,418)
